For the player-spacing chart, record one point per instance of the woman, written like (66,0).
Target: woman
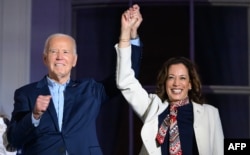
(178,98)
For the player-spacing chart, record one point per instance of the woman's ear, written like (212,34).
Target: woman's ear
(190,86)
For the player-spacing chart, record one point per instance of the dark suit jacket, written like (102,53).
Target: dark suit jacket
(82,102)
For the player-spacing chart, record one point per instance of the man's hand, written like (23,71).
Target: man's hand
(130,22)
(42,103)
(135,10)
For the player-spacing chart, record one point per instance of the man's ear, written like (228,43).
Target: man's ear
(44,59)
(75,61)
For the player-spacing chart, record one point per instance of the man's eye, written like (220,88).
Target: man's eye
(65,51)
(52,51)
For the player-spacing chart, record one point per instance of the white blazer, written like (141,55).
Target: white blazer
(207,124)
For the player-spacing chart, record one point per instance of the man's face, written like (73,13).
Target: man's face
(60,58)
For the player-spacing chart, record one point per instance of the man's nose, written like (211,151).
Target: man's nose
(59,54)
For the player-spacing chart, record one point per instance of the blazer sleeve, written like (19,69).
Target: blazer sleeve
(126,81)
(218,143)
(21,120)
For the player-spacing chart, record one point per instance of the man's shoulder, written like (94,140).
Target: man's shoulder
(32,85)
(86,85)
(86,82)
(28,86)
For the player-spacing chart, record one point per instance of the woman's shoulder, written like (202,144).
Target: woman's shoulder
(209,106)
(206,106)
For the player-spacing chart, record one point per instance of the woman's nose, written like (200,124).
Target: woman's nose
(176,81)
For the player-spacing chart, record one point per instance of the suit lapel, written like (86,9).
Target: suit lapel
(43,89)
(69,100)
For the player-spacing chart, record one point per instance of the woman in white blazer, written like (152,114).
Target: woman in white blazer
(199,124)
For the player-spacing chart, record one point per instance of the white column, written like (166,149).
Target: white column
(15,19)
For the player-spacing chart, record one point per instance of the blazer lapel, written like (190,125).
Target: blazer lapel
(43,89)
(198,112)
(69,98)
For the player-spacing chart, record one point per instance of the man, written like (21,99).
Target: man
(56,115)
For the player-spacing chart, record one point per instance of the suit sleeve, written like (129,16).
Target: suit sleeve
(136,59)
(20,127)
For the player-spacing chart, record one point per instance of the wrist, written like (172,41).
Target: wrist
(36,115)
(134,34)
(134,37)
(124,37)
(124,40)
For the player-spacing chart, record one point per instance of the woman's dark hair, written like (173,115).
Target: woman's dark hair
(195,94)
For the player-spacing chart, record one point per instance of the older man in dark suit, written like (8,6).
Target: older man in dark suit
(57,115)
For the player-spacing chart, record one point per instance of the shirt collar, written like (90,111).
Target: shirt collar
(52,82)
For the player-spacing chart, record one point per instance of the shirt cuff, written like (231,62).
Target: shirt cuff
(135,41)
(34,121)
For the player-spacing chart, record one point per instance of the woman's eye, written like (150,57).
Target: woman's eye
(170,77)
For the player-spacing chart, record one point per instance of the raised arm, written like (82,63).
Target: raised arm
(131,37)
(129,21)
(126,81)
(134,39)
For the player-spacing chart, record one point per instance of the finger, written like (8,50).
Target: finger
(45,96)
(40,112)
(126,15)
(135,7)
(138,16)
(42,103)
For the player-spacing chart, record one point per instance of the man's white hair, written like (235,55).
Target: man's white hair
(58,35)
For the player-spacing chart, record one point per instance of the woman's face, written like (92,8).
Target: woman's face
(178,82)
